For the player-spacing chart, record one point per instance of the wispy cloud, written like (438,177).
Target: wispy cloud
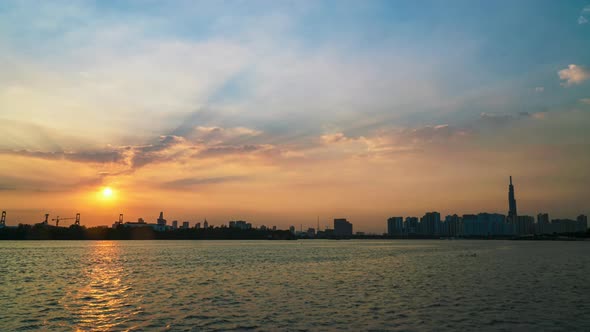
(192,182)
(583,19)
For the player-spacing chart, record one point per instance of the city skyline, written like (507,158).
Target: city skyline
(278,113)
(511,223)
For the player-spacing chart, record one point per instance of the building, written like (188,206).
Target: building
(205,224)
(411,225)
(524,225)
(453,226)
(185,225)
(543,225)
(395,226)
(342,227)
(3,220)
(240,224)
(292,229)
(161,221)
(430,224)
(140,223)
(311,232)
(175,224)
(582,223)
(511,202)
(470,227)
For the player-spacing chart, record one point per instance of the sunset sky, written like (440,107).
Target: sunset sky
(278,112)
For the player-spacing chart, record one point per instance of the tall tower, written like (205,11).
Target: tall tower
(511,202)
(161,220)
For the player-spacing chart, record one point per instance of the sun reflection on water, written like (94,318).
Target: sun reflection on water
(101,300)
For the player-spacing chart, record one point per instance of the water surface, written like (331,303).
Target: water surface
(294,285)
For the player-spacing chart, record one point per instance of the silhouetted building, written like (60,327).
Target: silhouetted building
(543,225)
(141,223)
(240,224)
(205,224)
(292,229)
(582,223)
(511,202)
(395,226)
(342,227)
(175,224)
(311,232)
(453,226)
(525,225)
(411,225)
(161,221)
(429,224)
(198,225)
(185,225)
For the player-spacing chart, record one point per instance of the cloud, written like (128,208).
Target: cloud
(219,135)
(232,150)
(433,133)
(539,89)
(191,183)
(583,19)
(585,101)
(49,184)
(574,74)
(98,157)
(334,138)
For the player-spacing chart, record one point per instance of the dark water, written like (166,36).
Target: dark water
(298,285)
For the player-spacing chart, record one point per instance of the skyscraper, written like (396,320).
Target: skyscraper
(511,202)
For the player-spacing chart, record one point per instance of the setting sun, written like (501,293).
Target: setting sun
(107,192)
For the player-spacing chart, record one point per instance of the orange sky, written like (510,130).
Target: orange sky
(277,113)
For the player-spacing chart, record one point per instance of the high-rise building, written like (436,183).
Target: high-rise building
(453,226)
(411,225)
(161,220)
(185,225)
(525,225)
(342,227)
(395,226)
(430,223)
(511,202)
(582,223)
(543,224)
(175,224)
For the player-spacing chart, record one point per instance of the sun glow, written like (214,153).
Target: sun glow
(107,192)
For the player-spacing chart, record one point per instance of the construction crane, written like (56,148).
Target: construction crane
(77,218)
(3,220)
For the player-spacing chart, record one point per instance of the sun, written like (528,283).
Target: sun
(107,192)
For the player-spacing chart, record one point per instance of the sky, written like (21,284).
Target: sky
(283,112)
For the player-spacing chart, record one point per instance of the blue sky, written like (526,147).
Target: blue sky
(297,82)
